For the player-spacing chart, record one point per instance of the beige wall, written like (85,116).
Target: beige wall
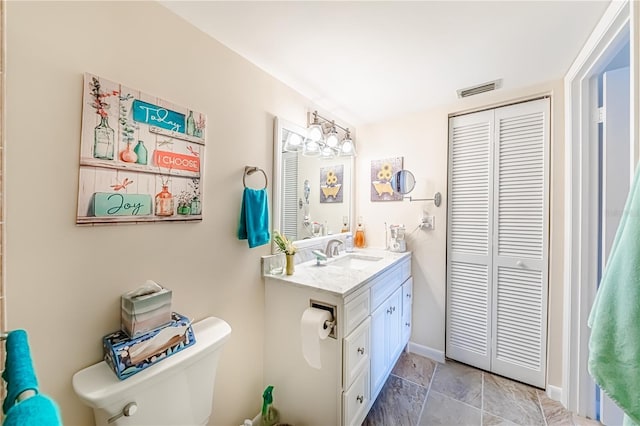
(422,139)
(64,281)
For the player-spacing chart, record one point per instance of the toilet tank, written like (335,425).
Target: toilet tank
(175,391)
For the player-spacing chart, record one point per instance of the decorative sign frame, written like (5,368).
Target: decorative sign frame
(331,183)
(382,172)
(140,157)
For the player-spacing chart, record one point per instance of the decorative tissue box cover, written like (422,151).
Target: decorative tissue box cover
(127,357)
(141,314)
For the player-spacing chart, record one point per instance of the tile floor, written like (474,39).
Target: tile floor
(420,391)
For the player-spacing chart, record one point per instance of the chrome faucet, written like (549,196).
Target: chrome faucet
(332,248)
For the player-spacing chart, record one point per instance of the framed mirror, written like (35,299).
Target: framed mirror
(312,196)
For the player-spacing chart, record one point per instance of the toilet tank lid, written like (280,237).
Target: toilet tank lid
(97,384)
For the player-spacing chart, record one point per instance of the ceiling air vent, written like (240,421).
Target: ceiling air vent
(480,88)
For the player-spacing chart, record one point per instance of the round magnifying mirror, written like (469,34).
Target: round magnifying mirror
(403,182)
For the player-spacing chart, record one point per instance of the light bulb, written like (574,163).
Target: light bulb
(332,139)
(314,133)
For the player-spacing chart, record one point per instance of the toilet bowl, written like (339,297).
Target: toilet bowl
(176,391)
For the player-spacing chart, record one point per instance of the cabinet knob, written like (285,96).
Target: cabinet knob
(408,324)
(409,295)
(361,351)
(389,311)
(393,309)
(360,398)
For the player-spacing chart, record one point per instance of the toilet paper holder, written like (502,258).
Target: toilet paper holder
(333,309)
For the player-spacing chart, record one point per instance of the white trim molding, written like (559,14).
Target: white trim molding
(426,351)
(580,244)
(554,392)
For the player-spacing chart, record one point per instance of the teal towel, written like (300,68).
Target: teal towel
(254,217)
(18,368)
(614,345)
(37,410)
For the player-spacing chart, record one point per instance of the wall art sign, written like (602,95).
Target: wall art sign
(382,172)
(140,157)
(331,182)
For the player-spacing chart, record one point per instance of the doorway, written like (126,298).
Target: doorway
(614,178)
(593,201)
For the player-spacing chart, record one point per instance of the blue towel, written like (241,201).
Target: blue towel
(18,368)
(37,410)
(614,344)
(254,217)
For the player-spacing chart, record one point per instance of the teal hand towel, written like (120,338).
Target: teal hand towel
(37,410)
(254,217)
(614,344)
(18,368)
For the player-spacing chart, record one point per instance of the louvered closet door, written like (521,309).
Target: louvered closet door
(469,239)
(289,219)
(520,241)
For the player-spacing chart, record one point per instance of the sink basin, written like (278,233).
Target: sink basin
(355,261)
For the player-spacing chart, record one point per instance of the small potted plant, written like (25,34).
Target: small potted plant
(287,247)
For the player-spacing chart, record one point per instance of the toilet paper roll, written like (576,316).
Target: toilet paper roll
(313,331)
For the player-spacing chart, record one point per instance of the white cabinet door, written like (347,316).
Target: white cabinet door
(378,355)
(407,295)
(393,327)
(386,340)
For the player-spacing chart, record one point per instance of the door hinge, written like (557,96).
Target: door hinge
(599,115)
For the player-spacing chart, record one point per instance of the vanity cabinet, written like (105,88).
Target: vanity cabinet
(369,337)
(386,321)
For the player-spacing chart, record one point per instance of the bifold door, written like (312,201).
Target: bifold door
(497,246)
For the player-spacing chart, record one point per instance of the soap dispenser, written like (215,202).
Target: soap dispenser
(359,239)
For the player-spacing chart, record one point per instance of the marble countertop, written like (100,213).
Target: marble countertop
(340,280)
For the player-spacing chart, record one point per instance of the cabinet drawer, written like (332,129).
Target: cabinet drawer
(388,282)
(355,401)
(355,311)
(356,353)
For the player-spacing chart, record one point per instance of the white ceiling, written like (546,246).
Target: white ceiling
(366,61)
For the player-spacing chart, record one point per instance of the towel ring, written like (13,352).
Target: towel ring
(248,170)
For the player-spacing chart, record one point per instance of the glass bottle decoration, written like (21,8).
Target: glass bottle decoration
(103,140)
(164,202)
(141,152)
(345,224)
(184,209)
(191,124)
(196,205)
(359,239)
(128,155)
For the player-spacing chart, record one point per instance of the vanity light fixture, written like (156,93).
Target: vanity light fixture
(293,142)
(332,138)
(315,133)
(311,148)
(324,133)
(347,148)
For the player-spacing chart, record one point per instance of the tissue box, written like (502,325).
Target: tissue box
(140,314)
(127,356)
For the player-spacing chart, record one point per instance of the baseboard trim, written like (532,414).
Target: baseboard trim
(554,392)
(425,351)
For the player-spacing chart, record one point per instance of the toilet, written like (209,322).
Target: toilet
(176,391)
